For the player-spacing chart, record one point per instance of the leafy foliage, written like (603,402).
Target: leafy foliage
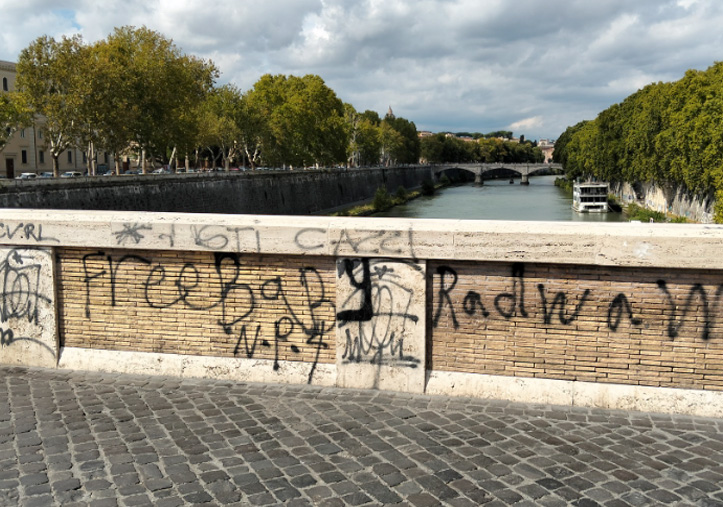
(13,116)
(50,83)
(135,91)
(301,120)
(441,148)
(382,200)
(665,132)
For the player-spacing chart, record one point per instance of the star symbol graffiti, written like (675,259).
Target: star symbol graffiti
(131,232)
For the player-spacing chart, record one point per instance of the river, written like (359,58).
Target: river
(500,200)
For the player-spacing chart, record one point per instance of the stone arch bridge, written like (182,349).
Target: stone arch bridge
(524,170)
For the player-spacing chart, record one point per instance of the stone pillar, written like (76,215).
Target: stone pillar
(478,179)
(381,320)
(28,320)
(525,180)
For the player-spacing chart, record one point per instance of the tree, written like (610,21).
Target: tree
(154,91)
(392,144)
(410,151)
(303,120)
(220,119)
(432,149)
(663,133)
(364,137)
(49,78)
(252,129)
(14,115)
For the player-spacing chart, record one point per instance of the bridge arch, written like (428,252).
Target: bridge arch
(479,169)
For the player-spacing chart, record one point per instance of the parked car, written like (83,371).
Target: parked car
(46,175)
(71,174)
(26,176)
(161,170)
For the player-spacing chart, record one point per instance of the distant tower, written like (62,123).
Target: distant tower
(390,114)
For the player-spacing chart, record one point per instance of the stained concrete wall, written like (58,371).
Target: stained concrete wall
(261,192)
(28,332)
(619,316)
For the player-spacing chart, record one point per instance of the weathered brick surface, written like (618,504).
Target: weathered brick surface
(198,303)
(631,326)
(650,327)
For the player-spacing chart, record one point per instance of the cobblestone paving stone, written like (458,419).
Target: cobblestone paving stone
(77,438)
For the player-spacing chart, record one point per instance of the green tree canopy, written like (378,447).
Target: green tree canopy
(50,79)
(157,90)
(14,115)
(302,120)
(665,132)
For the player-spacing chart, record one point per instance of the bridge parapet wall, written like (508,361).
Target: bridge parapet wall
(622,316)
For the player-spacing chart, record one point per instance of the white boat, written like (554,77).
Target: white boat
(590,197)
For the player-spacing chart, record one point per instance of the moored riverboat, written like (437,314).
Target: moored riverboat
(590,197)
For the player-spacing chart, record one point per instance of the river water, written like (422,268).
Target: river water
(500,200)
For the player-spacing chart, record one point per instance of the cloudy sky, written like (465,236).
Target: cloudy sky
(530,66)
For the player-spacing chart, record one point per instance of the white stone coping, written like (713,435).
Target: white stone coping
(183,366)
(517,389)
(666,400)
(585,243)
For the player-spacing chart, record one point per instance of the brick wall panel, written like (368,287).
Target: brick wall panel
(522,335)
(149,315)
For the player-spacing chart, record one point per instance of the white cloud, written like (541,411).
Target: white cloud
(460,65)
(527,124)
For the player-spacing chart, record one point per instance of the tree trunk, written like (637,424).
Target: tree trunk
(171,159)
(90,156)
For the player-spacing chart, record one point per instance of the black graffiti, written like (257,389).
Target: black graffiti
(313,244)
(370,243)
(204,236)
(213,237)
(364,313)
(209,237)
(512,304)
(443,296)
(560,302)
(236,300)
(171,236)
(131,232)
(20,296)
(473,301)
(516,298)
(20,287)
(26,231)
(615,313)
(697,290)
(376,314)
(506,303)
(7,338)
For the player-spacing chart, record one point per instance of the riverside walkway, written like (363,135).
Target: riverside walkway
(76,438)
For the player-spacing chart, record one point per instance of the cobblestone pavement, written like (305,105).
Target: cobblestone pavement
(76,438)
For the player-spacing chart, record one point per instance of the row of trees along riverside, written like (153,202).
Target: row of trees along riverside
(136,92)
(485,148)
(666,133)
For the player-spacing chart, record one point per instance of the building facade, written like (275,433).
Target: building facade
(27,151)
(548,148)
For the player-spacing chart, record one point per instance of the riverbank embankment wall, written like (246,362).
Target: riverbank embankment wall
(296,192)
(626,316)
(667,199)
